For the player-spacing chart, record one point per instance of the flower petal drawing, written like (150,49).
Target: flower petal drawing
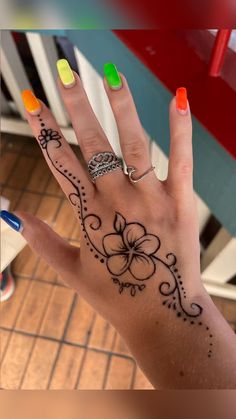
(55,135)
(148,244)
(44,132)
(118,264)
(130,248)
(113,243)
(142,267)
(132,232)
(48,135)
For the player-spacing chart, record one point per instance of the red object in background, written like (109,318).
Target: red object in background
(219,51)
(176,62)
(159,14)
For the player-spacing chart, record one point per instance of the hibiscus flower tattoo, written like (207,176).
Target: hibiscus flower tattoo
(130,249)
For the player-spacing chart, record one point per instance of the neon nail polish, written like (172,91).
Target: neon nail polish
(112,76)
(65,73)
(181,100)
(12,220)
(31,103)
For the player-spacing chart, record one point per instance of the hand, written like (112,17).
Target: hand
(138,262)
(127,229)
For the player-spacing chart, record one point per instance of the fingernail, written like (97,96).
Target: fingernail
(65,73)
(12,220)
(112,76)
(31,103)
(181,100)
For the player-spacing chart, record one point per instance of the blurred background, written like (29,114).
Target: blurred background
(106,14)
(51,338)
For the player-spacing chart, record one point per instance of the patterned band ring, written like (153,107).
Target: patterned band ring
(102,163)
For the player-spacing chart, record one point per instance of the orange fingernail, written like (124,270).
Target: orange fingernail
(31,103)
(181,100)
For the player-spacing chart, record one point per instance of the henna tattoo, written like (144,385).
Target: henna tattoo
(131,249)
(48,135)
(128,249)
(77,198)
(133,287)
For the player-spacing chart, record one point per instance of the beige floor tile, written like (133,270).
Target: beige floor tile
(120,346)
(80,322)
(44,272)
(93,371)
(21,173)
(4,338)
(10,309)
(102,335)
(40,365)
(13,196)
(57,313)
(25,262)
(29,202)
(8,160)
(14,362)
(48,208)
(40,177)
(34,308)
(67,368)
(65,221)
(54,188)
(120,374)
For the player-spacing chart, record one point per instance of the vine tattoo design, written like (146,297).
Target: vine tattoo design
(128,249)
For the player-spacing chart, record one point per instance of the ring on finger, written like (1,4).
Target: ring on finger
(102,163)
(131,170)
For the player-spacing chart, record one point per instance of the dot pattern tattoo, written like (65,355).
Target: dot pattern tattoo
(129,248)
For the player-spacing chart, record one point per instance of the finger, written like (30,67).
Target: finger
(180,170)
(58,253)
(133,140)
(62,161)
(89,132)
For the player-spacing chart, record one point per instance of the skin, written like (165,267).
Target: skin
(172,354)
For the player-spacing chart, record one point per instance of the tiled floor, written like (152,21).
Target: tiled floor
(50,337)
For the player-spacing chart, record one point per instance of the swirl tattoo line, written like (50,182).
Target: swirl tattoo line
(48,136)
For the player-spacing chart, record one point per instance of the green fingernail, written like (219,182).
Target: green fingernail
(112,76)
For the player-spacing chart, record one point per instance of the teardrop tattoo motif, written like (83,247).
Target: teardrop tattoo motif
(129,248)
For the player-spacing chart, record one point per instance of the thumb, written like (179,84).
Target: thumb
(57,252)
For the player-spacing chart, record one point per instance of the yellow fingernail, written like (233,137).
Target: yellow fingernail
(65,73)
(31,103)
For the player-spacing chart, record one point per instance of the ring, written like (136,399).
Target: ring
(131,170)
(102,163)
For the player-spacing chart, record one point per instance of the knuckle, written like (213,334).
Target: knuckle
(120,105)
(135,148)
(91,141)
(74,99)
(184,167)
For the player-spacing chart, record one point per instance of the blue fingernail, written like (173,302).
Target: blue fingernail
(12,220)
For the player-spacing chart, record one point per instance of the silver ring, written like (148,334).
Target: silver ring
(131,170)
(102,163)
